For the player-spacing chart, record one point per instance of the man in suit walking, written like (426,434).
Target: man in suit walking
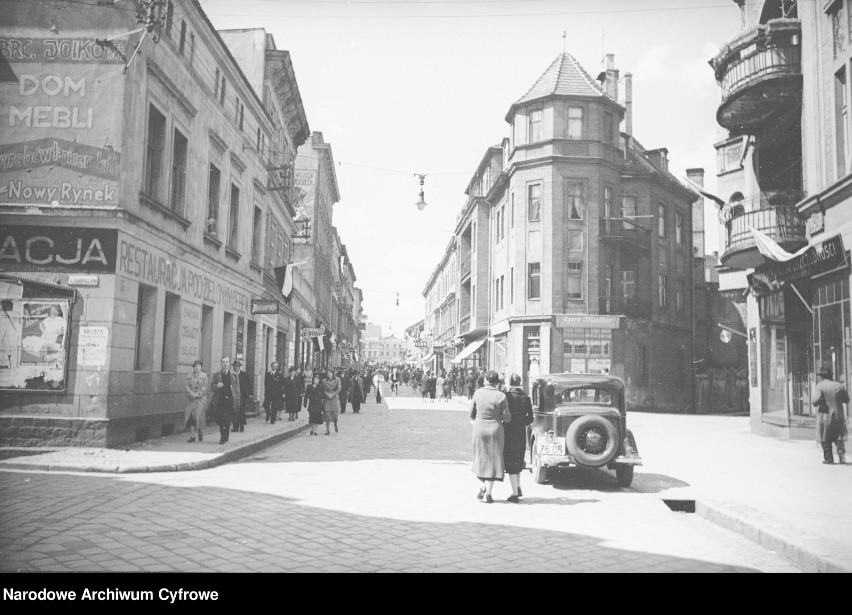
(273,399)
(246,396)
(830,399)
(225,405)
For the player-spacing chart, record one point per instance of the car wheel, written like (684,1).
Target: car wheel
(624,474)
(539,471)
(592,441)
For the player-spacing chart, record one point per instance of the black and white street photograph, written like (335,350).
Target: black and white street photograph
(421,286)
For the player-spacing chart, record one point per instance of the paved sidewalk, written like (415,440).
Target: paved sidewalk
(169,454)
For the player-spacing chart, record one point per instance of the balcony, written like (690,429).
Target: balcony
(635,308)
(775,215)
(760,74)
(465,268)
(626,232)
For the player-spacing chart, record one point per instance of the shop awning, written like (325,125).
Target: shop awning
(427,358)
(469,350)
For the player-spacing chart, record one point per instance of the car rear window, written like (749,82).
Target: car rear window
(584,395)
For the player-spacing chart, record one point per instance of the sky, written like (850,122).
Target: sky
(405,87)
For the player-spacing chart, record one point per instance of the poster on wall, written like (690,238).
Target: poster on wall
(33,344)
(92,343)
(190,333)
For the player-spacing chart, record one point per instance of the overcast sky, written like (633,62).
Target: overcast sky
(423,86)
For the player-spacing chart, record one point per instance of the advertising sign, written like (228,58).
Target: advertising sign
(599,366)
(312,333)
(264,306)
(61,140)
(567,321)
(578,366)
(57,248)
(190,333)
(33,344)
(822,258)
(92,342)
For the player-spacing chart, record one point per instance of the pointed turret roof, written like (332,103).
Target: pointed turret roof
(564,77)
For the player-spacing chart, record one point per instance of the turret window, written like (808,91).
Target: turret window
(575,122)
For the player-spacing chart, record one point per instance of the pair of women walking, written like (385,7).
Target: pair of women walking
(499,434)
(322,399)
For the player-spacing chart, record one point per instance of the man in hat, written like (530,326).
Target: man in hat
(246,396)
(225,404)
(830,399)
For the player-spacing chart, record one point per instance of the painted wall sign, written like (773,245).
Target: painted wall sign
(567,321)
(83,280)
(151,266)
(61,139)
(34,344)
(190,333)
(264,306)
(92,347)
(821,258)
(54,248)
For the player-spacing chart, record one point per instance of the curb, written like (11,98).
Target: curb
(235,453)
(812,553)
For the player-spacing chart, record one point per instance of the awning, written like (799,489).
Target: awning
(469,350)
(427,358)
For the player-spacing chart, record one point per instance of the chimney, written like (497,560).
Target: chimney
(608,77)
(696,176)
(628,103)
(659,158)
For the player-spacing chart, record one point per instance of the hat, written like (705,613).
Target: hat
(825,370)
(237,361)
(492,377)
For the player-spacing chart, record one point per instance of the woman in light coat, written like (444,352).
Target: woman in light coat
(195,412)
(331,406)
(489,412)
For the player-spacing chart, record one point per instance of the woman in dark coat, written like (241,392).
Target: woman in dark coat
(515,434)
(356,391)
(292,394)
(313,402)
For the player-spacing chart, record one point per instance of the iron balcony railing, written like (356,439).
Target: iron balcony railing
(625,229)
(781,223)
(464,325)
(465,267)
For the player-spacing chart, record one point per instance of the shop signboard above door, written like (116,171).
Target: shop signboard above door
(568,321)
(819,259)
(264,306)
(54,248)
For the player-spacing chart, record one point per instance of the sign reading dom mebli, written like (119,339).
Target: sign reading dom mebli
(33,344)
(55,248)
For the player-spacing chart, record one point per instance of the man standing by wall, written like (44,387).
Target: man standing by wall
(246,397)
(830,399)
(274,388)
(344,389)
(224,407)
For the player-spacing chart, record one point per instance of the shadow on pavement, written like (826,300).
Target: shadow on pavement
(120,526)
(604,480)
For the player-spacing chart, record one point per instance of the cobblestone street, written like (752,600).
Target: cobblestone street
(392,491)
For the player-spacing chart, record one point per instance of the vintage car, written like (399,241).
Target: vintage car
(580,419)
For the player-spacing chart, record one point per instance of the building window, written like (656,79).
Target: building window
(679,227)
(170,14)
(256,235)
(836,33)
(575,280)
(607,202)
(146,310)
(841,116)
(628,284)
(534,202)
(216,85)
(238,112)
(608,129)
(182,42)
(662,281)
(154,152)
(661,220)
(214,179)
(575,122)
(179,151)
(628,211)
(534,281)
(679,296)
(222,91)
(535,126)
(171,332)
(575,241)
(664,256)
(575,200)
(234,218)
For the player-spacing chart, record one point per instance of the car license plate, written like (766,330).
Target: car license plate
(551,446)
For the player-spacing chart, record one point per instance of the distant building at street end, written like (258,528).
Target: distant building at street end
(383,350)
(784,170)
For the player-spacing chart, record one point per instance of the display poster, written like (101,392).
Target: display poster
(61,140)
(190,333)
(33,344)
(92,345)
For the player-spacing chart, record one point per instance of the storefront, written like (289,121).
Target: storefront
(587,343)
(803,310)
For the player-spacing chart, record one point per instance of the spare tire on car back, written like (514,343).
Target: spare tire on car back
(592,440)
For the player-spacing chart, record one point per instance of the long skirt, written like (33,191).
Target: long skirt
(195,412)
(488,449)
(515,447)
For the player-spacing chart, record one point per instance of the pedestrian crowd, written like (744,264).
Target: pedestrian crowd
(225,397)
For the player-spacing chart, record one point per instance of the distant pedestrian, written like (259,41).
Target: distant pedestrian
(439,385)
(448,389)
(356,391)
(225,404)
(292,394)
(515,443)
(314,401)
(395,380)
(489,413)
(343,374)
(195,411)
(470,381)
(246,396)
(368,383)
(377,382)
(273,396)
(424,385)
(830,399)
(432,385)
(331,403)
